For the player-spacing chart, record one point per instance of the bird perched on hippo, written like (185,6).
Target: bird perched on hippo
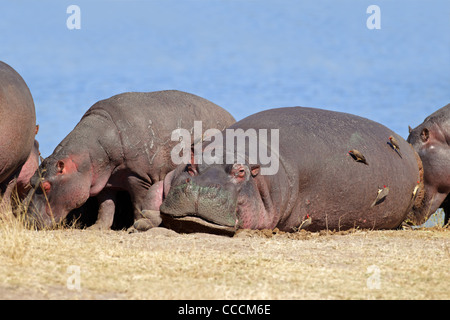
(358,156)
(318,185)
(121,144)
(431,140)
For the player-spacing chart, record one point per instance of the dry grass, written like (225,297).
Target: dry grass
(161,264)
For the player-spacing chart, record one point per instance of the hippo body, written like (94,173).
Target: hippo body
(431,140)
(17,127)
(121,144)
(318,185)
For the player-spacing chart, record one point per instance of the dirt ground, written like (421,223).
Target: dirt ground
(161,264)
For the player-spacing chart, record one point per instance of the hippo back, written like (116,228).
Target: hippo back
(146,120)
(17,121)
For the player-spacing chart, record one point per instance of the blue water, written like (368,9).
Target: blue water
(246,56)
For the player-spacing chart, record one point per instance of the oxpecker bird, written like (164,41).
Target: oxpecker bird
(381,195)
(358,156)
(394,145)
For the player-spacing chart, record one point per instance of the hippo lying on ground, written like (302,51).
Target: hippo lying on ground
(121,144)
(17,129)
(317,184)
(431,140)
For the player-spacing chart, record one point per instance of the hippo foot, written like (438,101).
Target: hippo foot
(152,219)
(141,225)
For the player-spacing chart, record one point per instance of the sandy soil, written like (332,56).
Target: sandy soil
(161,264)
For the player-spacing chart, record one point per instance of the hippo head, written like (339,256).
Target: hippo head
(58,186)
(431,141)
(212,198)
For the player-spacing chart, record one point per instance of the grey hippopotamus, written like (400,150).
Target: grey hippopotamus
(431,141)
(17,129)
(121,144)
(317,184)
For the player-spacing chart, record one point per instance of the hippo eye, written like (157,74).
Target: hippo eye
(240,173)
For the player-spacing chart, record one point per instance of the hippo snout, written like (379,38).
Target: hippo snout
(200,206)
(35,220)
(36,213)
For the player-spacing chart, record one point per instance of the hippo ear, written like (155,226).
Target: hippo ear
(254,169)
(192,154)
(66,166)
(192,169)
(425,135)
(410,129)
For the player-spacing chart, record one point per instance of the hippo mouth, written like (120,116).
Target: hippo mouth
(192,208)
(193,224)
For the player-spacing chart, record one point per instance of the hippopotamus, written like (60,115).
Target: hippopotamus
(431,140)
(17,128)
(301,176)
(120,144)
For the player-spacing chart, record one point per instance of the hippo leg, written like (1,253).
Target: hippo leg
(149,217)
(107,201)
(5,199)
(7,191)
(446,206)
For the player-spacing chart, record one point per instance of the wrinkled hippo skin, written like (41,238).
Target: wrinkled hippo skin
(121,144)
(318,184)
(431,141)
(17,128)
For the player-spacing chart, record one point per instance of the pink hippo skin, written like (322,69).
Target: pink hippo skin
(17,129)
(27,171)
(121,144)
